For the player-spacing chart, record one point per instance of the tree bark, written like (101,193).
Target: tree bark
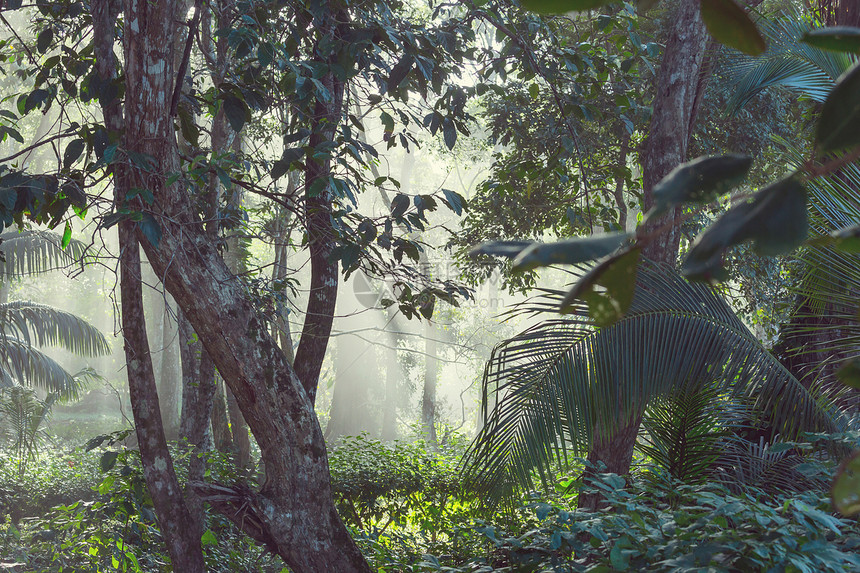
(672,119)
(664,149)
(322,297)
(293,513)
(175,520)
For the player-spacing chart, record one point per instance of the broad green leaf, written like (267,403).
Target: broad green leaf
(454,201)
(150,229)
(839,122)
(506,249)
(449,132)
(108,460)
(43,41)
(208,538)
(399,73)
(73,150)
(67,236)
(730,25)
(188,128)
(237,112)
(775,220)
(846,486)
(617,275)
(569,252)
(387,121)
(399,205)
(561,6)
(835,38)
(700,181)
(849,373)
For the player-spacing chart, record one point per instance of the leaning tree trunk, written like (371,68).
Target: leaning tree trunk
(665,148)
(293,513)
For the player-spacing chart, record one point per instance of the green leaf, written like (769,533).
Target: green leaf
(449,131)
(846,486)
(849,373)
(108,461)
(454,201)
(387,122)
(43,41)
(700,181)
(847,239)
(237,112)
(569,252)
(839,122)
(617,276)
(67,236)
(188,128)
(561,6)
(399,72)
(73,150)
(399,205)
(506,249)
(265,54)
(150,229)
(835,38)
(730,25)
(208,538)
(534,91)
(775,220)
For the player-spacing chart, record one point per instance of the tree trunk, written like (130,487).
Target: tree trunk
(664,149)
(672,119)
(322,297)
(431,376)
(197,394)
(293,513)
(169,373)
(222,436)
(174,518)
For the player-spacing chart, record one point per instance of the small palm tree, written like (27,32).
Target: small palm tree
(547,389)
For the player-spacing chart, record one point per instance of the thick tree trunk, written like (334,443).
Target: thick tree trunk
(672,119)
(664,149)
(293,513)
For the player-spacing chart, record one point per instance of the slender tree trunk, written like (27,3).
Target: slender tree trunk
(431,375)
(664,149)
(222,436)
(175,520)
(169,389)
(322,297)
(197,395)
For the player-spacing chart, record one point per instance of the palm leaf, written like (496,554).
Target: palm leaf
(21,363)
(547,388)
(683,431)
(34,251)
(43,325)
(788,62)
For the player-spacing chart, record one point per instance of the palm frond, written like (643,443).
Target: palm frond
(682,431)
(34,251)
(547,388)
(788,62)
(21,363)
(43,325)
